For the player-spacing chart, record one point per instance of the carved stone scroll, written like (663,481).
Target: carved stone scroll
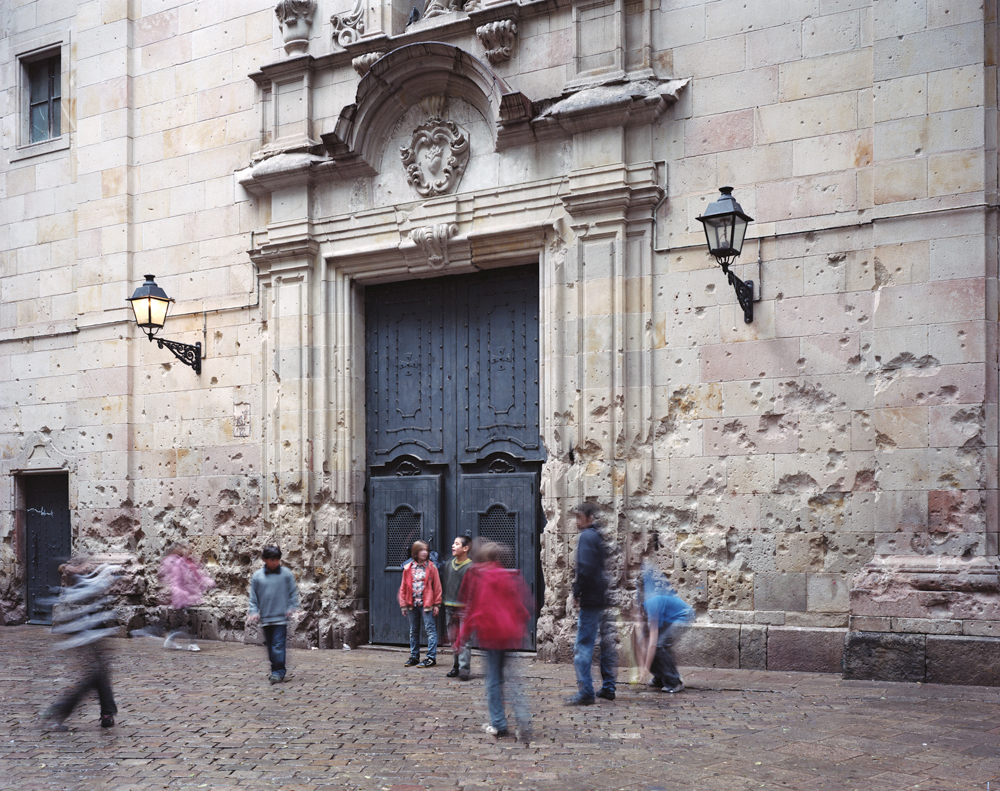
(436,158)
(499,38)
(433,241)
(363,63)
(350,26)
(294,18)
(439,7)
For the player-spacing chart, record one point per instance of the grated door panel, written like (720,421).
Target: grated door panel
(498,525)
(402,529)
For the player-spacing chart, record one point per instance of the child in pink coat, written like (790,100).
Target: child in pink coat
(186,582)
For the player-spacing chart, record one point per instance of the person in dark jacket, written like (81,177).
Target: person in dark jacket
(590,591)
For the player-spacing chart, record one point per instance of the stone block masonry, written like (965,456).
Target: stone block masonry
(820,485)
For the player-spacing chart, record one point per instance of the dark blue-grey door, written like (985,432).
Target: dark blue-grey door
(46,537)
(453,440)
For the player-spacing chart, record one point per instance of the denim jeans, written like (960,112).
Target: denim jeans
(463,659)
(593,622)
(274,639)
(502,673)
(415,616)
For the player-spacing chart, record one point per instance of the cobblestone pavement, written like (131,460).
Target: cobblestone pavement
(359,720)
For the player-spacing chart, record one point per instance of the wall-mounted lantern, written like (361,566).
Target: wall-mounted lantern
(725,226)
(150,304)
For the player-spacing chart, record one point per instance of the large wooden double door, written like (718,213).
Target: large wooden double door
(452,417)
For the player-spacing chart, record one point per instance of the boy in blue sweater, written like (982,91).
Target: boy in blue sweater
(274,597)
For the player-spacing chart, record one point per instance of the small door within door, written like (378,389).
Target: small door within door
(404,509)
(47,539)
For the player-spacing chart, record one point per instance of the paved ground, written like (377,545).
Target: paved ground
(358,720)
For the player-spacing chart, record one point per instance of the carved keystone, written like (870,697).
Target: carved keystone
(499,39)
(433,241)
(294,18)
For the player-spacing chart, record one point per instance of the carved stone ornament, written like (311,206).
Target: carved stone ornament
(349,27)
(294,18)
(436,158)
(439,7)
(433,241)
(498,38)
(363,63)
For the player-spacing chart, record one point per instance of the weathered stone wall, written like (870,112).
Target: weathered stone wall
(829,467)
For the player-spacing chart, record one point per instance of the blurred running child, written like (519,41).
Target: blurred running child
(185,582)
(84,613)
(497,611)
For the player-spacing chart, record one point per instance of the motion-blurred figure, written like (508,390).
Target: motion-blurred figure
(84,613)
(185,581)
(665,615)
(590,590)
(497,612)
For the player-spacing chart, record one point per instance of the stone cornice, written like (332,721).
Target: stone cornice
(283,256)
(613,190)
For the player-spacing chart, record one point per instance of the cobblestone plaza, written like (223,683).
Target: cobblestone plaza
(358,720)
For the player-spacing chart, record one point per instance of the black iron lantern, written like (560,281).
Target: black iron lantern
(150,304)
(725,228)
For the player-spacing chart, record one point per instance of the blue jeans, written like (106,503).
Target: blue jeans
(274,639)
(594,621)
(415,615)
(500,673)
(463,659)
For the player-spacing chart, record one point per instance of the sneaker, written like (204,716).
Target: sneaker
(107,721)
(411,662)
(678,688)
(274,678)
(428,663)
(464,675)
(453,673)
(524,735)
(607,694)
(193,647)
(579,700)
(498,732)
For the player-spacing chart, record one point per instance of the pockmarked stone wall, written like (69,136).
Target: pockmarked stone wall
(820,484)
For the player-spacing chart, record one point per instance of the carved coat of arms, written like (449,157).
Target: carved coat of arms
(436,158)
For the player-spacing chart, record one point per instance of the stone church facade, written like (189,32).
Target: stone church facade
(446,271)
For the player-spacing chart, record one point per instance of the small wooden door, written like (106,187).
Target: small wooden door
(47,538)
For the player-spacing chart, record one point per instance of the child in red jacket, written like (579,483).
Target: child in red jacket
(420,599)
(497,611)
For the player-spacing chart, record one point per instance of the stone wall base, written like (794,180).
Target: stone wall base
(936,659)
(762,647)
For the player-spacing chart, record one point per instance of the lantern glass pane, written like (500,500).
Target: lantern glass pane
(739,231)
(140,307)
(158,311)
